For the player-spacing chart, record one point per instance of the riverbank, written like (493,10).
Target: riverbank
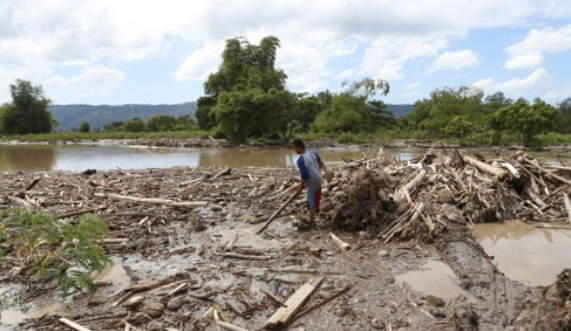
(197,139)
(200,243)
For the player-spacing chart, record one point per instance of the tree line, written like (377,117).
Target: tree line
(247,98)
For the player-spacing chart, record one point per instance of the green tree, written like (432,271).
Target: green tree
(161,122)
(527,119)
(28,112)
(563,117)
(352,111)
(113,127)
(246,97)
(135,124)
(84,127)
(449,112)
(492,104)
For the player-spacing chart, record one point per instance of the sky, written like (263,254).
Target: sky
(160,52)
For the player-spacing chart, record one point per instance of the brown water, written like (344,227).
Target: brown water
(525,253)
(81,157)
(435,278)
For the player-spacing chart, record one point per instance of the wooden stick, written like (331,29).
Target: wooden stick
(185,204)
(224,172)
(274,297)
(73,325)
(484,167)
(246,257)
(322,303)
(79,212)
(283,315)
(276,213)
(343,245)
(567,206)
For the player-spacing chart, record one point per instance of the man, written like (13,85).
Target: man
(309,164)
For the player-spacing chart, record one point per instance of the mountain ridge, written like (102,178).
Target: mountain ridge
(69,117)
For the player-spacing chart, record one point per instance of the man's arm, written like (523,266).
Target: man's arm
(304,174)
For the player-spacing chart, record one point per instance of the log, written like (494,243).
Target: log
(403,192)
(261,230)
(283,315)
(225,172)
(510,168)
(567,206)
(343,245)
(73,325)
(157,201)
(484,167)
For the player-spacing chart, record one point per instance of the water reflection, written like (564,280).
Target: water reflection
(27,157)
(81,157)
(531,255)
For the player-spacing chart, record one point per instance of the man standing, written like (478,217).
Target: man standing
(310,164)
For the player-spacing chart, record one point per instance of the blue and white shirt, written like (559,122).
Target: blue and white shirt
(308,164)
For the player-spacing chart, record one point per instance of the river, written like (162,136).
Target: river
(81,157)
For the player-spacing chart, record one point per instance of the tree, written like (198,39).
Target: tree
(246,97)
(352,111)
(449,112)
(492,104)
(28,112)
(161,122)
(135,124)
(527,120)
(563,117)
(84,127)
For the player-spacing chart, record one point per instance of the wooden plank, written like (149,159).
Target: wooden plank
(184,204)
(567,203)
(283,315)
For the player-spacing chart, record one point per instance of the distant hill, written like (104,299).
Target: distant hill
(70,116)
(400,110)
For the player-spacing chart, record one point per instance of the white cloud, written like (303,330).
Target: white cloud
(529,60)
(454,60)
(559,94)
(315,35)
(8,76)
(538,80)
(528,53)
(95,80)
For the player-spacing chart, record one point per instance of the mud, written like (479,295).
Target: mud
(214,250)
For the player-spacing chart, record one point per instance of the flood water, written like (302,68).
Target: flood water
(531,255)
(434,278)
(81,157)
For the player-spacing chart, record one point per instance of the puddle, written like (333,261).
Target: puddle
(114,274)
(530,255)
(436,278)
(244,235)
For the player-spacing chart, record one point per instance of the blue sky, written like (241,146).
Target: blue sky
(143,51)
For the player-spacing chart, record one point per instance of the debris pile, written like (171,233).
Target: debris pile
(418,200)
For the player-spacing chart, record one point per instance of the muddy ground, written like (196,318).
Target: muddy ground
(212,249)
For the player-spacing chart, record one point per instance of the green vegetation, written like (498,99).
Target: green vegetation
(48,248)
(76,136)
(28,112)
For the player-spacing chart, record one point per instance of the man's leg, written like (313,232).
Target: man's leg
(311,204)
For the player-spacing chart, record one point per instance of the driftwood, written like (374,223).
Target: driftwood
(276,213)
(184,204)
(484,167)
(403,193)
(79,212)
(73,325)
(283,315)
(567,206)
(340,243)
(246,257)
(322,303)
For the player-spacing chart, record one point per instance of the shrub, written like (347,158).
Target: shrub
(49,248)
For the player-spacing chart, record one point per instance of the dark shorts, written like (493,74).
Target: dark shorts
(313,198)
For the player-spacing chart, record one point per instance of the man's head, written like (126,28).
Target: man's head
(299,146)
